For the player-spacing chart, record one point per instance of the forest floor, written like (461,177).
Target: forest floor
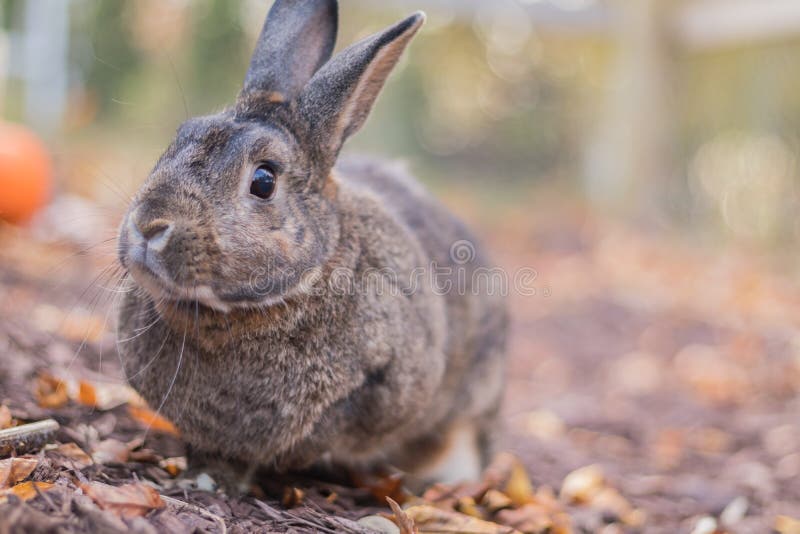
(653,387)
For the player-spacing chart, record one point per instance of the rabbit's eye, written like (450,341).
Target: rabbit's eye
(263,184)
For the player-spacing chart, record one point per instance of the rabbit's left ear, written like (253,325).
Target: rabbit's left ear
(297,39)
(339,97)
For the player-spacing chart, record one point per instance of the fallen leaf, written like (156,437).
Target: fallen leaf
(581,485)
(105,395)
(612,503)
(787,525)
(51,392)
(128,501)
(383,486)
(173,466)
(110,451)
(406,524)
(87,394)
(292,497)
(444,494)
(468,506)
(5,417)
(495,500)
(13,470)
(431,519)
(74,454)
(519,488)
(150,419)
(143,456)
(27,490)
(530,518)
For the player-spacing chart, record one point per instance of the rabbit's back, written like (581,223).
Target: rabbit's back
(473,291)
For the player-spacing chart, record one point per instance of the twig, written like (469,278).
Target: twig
(198,510)
(291,518)
(24,438)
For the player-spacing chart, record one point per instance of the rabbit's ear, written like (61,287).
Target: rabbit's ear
(339,97)
(297,39)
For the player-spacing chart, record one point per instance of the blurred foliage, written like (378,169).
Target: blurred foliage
(489,99)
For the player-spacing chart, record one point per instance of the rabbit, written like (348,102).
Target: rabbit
(290,310)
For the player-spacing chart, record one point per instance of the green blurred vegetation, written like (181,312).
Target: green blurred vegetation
(491,101)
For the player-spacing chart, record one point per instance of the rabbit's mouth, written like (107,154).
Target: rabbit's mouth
(168,294)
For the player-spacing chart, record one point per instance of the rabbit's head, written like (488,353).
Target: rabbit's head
(241,211)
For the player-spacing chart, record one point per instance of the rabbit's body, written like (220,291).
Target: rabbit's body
(341,317)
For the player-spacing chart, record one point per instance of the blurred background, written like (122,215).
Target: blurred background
(675,112)
(643,156)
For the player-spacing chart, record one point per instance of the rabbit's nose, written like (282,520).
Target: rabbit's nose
(156,233)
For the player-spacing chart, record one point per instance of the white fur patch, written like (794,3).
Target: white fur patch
(460,462)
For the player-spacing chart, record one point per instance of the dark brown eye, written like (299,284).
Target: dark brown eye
(264,183)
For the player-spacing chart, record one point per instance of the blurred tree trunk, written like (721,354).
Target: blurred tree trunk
(631,166)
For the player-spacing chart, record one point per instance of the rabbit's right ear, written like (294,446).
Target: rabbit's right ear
(297,39)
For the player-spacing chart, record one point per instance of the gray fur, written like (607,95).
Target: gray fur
(297,39)
(238,330)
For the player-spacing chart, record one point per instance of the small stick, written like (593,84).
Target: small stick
(177,503)
(25,438)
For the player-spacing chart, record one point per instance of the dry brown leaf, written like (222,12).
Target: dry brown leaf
(74,454)
(292,497)
(610,501)
(519,488)
(27,490)
(105,396)
(499,471)
(173,466)
(581,485)
(383,486)
(787,525)
(406,524)
(128,501)
(431,519)
(150,419)
(530,518)
(445,494)
(495,500)
(111,451)
(5,417)
(87,395)
(51,392)
(13,470)
(468,506)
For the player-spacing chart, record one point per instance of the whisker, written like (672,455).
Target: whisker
(172,382)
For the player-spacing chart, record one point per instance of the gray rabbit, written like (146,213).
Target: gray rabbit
(289,310)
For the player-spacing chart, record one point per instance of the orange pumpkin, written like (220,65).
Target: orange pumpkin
(26,173)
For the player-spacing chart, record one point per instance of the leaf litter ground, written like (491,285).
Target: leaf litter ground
(653,387)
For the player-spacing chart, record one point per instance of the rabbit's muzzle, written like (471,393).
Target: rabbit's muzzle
(168,257)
